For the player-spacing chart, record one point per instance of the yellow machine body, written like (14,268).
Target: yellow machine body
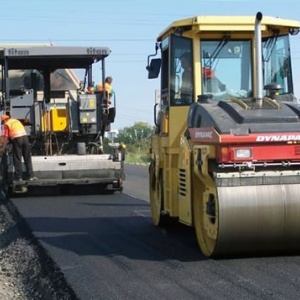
(55,120)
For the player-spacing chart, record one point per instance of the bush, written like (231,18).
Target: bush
(138,153)
(137,141)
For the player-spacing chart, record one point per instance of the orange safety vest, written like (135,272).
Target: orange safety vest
(108,89)
(16,128)
(106,85)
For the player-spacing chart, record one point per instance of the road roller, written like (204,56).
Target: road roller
(225,155)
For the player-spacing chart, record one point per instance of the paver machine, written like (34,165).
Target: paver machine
(225,157)
(65,123)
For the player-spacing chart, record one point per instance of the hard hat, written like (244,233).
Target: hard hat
(4,117)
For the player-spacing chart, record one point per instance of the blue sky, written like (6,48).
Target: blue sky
(129,28)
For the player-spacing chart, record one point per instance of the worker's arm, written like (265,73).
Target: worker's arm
(3,145)
(4,142)
(5,134)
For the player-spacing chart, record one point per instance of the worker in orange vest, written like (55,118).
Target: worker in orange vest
(91,88)
(14,131)
(107,87)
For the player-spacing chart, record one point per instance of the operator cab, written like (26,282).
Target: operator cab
(221,64)
(202,61)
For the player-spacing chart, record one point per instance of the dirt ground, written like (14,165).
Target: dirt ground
(26,271)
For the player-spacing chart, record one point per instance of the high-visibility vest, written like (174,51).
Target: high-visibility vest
(16,128)
(106,85)
(108,89)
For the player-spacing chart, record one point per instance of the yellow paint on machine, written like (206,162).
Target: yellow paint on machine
(55,120)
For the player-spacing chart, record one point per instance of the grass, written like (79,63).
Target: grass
(134,158)
(137,155)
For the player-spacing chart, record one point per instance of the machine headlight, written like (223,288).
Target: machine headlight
(243,153)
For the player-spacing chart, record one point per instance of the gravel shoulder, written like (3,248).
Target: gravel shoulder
(26,270)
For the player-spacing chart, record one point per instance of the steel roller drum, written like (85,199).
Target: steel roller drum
(263,218)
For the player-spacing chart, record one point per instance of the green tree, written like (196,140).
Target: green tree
(139,132)
(137,141)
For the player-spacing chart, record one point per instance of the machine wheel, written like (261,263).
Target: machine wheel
(157,198)
(6,188)
(206,212)
(3,192)
(155,195)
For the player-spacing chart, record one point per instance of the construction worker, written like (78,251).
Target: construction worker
(91,88)
(14,131)
(107,87)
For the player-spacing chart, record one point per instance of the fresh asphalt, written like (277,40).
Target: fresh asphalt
(108,248)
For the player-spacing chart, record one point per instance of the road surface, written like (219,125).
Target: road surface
(108,248)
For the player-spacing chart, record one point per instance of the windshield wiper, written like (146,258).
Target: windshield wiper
(217,51)
(269,45)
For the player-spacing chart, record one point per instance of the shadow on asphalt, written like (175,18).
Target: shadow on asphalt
(63,190)
(132,237)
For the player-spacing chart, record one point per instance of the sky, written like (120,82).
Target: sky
(129,28)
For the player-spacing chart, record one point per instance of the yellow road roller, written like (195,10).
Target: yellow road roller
(225,155)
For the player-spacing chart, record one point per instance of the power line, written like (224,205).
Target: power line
(128,61)
(95,12)
(79,40)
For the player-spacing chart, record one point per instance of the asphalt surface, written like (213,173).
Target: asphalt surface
(107,248)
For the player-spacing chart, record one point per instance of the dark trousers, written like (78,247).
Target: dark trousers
(21,148)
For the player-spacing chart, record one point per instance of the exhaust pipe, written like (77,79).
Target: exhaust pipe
(258,60)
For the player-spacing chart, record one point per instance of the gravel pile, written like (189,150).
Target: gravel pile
(26,271)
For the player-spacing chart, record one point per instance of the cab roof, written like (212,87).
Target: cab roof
(53,57)
(228,23)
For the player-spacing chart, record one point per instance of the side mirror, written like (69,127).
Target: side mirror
(154,68)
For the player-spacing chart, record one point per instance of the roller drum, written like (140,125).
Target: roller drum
(260,218)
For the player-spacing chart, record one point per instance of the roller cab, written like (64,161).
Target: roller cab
(226,152)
